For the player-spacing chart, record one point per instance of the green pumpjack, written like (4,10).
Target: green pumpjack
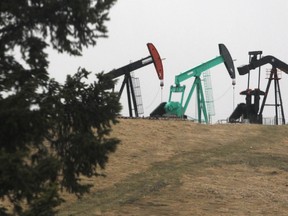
(176,108)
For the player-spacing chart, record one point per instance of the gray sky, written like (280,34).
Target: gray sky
(187,33)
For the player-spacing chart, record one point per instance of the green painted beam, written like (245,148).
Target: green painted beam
(198,70)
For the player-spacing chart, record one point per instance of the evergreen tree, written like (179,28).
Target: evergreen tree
(50,133)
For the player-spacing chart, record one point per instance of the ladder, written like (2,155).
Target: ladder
(209,94)
(138,96)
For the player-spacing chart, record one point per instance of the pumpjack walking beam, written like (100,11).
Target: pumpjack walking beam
(127,69)
(276,64)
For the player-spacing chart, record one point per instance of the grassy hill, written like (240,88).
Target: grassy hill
(165,167)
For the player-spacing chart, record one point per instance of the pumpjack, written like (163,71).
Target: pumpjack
(176,108)
(127,81)
(250,111)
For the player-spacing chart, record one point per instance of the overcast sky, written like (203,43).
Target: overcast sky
(187,33)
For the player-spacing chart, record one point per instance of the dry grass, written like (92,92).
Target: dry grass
(182,168)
